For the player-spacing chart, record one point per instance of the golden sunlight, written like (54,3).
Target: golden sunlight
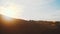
(7,21)
(11,11)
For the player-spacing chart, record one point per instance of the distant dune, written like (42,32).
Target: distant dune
(21,26)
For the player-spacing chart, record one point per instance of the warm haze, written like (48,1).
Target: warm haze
(31,9)
(29,16)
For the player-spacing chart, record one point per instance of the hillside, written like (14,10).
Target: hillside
(21,26)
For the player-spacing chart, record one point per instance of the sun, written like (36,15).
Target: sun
(11,11)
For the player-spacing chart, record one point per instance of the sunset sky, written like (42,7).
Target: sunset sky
(31,9)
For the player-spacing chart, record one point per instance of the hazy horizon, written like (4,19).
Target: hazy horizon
(31,9)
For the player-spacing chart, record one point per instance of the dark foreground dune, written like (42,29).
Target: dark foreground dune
(20,26)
